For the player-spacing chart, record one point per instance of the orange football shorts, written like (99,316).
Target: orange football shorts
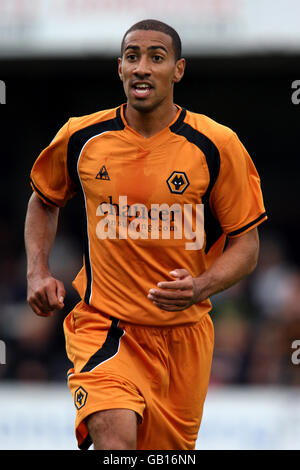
(162,373)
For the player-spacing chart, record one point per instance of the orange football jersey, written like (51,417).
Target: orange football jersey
(150,205)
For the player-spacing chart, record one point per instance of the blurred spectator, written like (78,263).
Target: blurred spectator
(269,287)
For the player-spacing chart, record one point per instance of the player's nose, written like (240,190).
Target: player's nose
(142,67)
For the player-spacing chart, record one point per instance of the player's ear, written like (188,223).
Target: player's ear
(120,68)
(179,70)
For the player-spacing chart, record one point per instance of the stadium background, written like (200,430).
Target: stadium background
(243,58)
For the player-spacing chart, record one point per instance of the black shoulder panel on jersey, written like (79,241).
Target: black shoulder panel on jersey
(76,143)
(213,229)
(78,140)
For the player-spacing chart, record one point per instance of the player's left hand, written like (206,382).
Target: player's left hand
(175,295)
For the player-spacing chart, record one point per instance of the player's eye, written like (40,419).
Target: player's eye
(157,58)
(131,57)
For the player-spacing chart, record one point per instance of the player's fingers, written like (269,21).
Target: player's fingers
(179,273)
(182,284)
(173,295)
(38,300)
(182,280)
(45,296)
(179,302)
(170,308)
(54,295)
(41,313)
(61,292)
(39,309)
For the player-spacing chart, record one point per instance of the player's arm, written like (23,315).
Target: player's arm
(237,261)
(44,293)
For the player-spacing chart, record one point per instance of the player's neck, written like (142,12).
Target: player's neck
(149,124)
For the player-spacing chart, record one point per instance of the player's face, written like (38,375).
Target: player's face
(148,69)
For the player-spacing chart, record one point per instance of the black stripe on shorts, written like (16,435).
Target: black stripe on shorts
(109,348)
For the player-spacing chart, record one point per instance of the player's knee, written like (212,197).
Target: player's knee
(113,442)
(109,433)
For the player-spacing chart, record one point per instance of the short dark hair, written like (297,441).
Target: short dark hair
(155,25)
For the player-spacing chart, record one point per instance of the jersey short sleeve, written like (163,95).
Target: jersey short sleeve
(236,199)
(49,176)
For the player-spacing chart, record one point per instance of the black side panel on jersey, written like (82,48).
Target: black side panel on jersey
(76,143)
(213,229)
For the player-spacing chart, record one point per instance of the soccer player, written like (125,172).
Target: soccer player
(171,204)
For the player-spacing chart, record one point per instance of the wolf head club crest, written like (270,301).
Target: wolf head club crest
(178,182)
(80,397)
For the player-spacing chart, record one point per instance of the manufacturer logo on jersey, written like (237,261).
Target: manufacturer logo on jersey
(80,397)
(178,182)
(103,174)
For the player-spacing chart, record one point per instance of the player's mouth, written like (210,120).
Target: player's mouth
(141,89)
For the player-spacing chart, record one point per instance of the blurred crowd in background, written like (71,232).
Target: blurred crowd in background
(255,321)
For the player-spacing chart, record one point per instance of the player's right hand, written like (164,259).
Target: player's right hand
(45,295)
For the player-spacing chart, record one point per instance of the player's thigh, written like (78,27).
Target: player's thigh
(190,365)
(113,429)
